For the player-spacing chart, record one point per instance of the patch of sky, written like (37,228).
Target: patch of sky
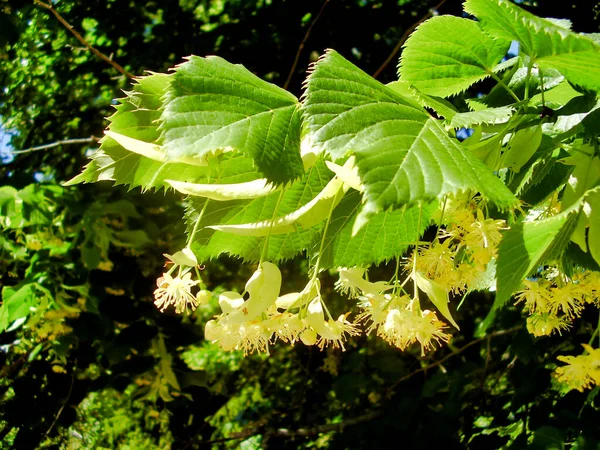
(6,150)
(464,133)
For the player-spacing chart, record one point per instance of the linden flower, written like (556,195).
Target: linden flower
(175,291)
(544,324)
(245,324)
(402,327)
(535,295)
(430,330)
(436,260)
(484,233)
(330,332)
(582,371)
(566,299)
(589,285)
(376,307)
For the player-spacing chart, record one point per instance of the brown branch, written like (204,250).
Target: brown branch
(80,38)
(65,402)
(405,37)
(300,432)
(89,140)
(301,47)
(451,355)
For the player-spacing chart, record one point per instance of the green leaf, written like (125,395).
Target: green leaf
(447,54)
(213,106)
(585,176)
(549,45)
(527,245)
(594,221)
(487,115)
(403,156)
(521,147)
(307,216)
(209,243)
(136,121)
(440,105)
(16,303)
(386,234)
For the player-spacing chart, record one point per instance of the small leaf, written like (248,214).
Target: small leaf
(527,245)
(437,294)
(488,116)
(549,45)
(183,257)
(446,55)
(521,147)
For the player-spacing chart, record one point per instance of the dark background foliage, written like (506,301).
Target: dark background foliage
(96,365)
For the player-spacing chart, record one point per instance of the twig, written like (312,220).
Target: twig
(405,37)
(57,144)
(80,38)
(65,402)
(300,432)
(301,47)
(454,353)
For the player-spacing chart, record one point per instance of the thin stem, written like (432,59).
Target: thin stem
(64,403)
(89,140)
(395,278)
(542,87)
(415,254)
(301,46)
(265,249)
(197,224)
(441,361)
(437,234)
(81,39)
(404,37)
(322,245)
(527,77)
(505,87)
(596,332)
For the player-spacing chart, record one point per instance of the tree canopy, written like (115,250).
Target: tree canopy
(183,183)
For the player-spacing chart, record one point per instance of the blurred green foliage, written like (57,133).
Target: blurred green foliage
(86,361)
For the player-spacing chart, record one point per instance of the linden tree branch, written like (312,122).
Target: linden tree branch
(89,140)
(405,37)
(301,46)
(81,39)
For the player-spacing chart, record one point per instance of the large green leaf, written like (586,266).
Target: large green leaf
(209,243)
(447,54)
(214,106)
(527,245)
(136,118)
(549,45)
(386,235)
(403,155)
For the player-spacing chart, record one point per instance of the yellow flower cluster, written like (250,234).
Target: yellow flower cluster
(554,303)
(398,319)
(581,372)
(466,246)
(252,324)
